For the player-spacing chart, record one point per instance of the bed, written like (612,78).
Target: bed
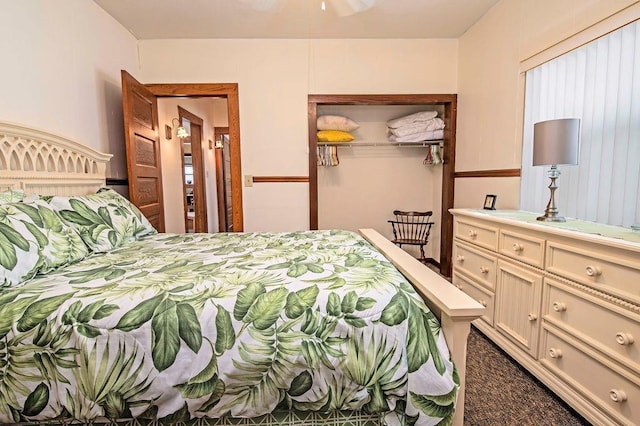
(120,324)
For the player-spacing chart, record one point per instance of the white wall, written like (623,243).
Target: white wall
(60,72)
(62,64)
(274,78)
(490,85)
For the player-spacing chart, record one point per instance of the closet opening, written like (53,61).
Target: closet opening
(370,177)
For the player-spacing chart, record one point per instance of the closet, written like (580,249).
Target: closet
(371,158)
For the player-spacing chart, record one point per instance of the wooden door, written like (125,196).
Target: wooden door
(142,142)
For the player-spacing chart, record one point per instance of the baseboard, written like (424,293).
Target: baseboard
(432,261)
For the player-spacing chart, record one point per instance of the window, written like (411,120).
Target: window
(600,84)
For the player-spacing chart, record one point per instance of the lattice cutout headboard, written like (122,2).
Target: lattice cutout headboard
(43,163)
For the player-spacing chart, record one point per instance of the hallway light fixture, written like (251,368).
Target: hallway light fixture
(555,142)
(181,132)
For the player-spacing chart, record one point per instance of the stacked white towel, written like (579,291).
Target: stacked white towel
(417,127)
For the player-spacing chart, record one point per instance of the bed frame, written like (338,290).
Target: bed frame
(42,163)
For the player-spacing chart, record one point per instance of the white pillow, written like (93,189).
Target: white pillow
(412,118)
(418,127)
(336,122)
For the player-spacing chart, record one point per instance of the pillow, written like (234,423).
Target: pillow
(412,118)
(334,136)
(336,122)
(105,220)
(11,196)
(33,239)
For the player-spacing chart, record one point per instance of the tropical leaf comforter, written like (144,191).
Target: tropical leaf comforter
(175,327)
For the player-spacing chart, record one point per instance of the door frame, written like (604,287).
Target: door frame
(200,221)
(221,90)
(223,226)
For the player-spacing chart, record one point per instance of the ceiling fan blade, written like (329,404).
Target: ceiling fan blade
(350,7)
(261,5)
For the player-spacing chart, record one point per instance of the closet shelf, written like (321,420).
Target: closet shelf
(383,144)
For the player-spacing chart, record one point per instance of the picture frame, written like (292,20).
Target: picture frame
(490,202)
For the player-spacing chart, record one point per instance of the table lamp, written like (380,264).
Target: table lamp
(555,142)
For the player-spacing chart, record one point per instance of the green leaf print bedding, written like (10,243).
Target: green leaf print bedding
(174,327)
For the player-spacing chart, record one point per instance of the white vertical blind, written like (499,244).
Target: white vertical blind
(600,84)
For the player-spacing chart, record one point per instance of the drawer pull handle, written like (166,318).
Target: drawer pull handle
(559,306)
(555,353)
(618,395)
(483,303)
(460,258)
(624,339)
(518,247)
(484,270)
(472,233)
(593,271)
(532,317)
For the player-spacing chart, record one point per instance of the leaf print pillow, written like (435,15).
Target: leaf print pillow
(105,220)
(33,239)
(11,196)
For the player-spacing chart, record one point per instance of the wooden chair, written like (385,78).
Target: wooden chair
(412,228)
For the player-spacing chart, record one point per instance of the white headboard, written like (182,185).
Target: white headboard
(43,163)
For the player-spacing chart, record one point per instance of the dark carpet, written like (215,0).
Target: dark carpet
(500,392)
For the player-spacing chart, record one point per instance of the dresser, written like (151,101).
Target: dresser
(563,299)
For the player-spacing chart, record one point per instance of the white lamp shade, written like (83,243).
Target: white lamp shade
(556,142)
(182,133)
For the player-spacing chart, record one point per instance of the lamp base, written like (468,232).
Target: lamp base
(551,212)
(546,218)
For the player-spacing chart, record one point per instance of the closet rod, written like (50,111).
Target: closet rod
(384,144)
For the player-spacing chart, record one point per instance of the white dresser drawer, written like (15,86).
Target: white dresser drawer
(475,263)
(597,268)
(553,286)
(604,325)
(482,295)
(524,248)
(607,386)
(477,233)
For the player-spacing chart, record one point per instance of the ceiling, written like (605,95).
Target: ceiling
(163,19)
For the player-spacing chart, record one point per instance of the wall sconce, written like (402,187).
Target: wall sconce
(181,132)
(219,144)
(555,142)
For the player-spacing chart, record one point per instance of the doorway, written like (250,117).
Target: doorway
(143,97)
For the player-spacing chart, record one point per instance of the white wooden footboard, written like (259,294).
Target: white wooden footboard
(454,308)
